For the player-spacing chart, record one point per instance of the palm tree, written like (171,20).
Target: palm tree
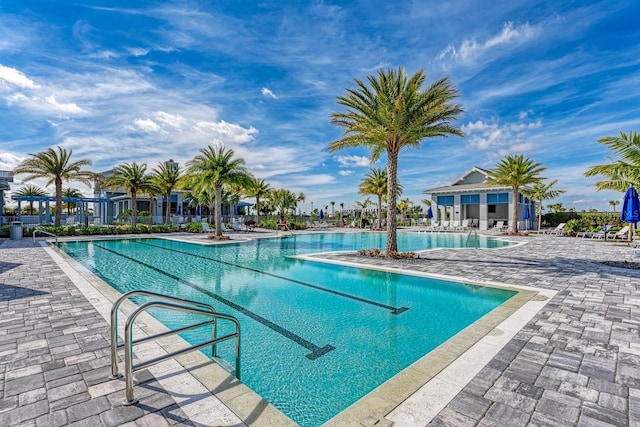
(282,200)
(392,113)
(166,176)
(515,172)
(540,192)
(375,183)
(258,188)
(216,167)
(403,206)
(31,190)
(56,167)
(333,208)
(613,204)
(71,192)
(134,179)
(363,206)
(624,171)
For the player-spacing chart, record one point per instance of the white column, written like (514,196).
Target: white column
(484,212)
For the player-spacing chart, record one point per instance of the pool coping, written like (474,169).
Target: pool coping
(415,395)
(412,397)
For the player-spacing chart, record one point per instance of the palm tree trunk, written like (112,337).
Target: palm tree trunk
(58,202)
(379,211)
(30,208)
(257,210)
(134,208)
(514,210)
(218,208)
(167,210)
(539,217)
(392,190)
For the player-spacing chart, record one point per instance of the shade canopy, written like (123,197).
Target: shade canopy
(630,207)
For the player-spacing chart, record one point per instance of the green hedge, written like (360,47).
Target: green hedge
(582,221)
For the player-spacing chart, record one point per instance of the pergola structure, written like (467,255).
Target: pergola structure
(82,206)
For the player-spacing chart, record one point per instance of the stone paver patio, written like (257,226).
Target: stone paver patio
(577,363)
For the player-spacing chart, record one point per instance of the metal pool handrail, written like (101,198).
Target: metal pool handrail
(477,239)
(43,232)
(172,303)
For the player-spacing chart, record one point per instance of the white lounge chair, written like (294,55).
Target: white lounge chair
(559,230)
(622,234)
(499,226)
(465,224)
(206,228)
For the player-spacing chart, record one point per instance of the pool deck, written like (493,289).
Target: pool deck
(576,363)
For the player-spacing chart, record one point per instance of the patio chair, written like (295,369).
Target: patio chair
(206,228)
(622,234)
(559,230)
(499,226)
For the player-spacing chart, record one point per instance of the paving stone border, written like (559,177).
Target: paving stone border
(577,363)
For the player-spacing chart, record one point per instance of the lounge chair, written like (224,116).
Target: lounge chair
(622,234)
(223,228)
(465,224)
(584,234)
(455,225)
(499,226)
(558,231)
(206,228)
(237,227)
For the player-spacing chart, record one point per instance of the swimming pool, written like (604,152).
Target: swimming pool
(316,336)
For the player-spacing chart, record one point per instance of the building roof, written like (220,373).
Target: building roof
(466,185)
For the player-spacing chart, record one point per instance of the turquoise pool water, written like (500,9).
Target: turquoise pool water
(316,337)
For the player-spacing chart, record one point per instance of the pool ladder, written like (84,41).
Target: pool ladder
(477,239)
(169,303)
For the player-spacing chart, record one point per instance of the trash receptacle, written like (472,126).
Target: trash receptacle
(15,230)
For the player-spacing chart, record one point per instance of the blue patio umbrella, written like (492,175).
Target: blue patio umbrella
(526,215)
(179,210)
(429,213)
(321,214)
(198,210)
(630,208)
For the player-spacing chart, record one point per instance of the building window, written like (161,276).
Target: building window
(470,199)
(445,200)
(491,208)
(498,198)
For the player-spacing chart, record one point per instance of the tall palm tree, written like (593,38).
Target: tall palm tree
(375,183)
(56,167)
(133,178)
(392,113)
(613,204)
(403,206)
(624,171)
(216,167)
(258,188)
(539,192)
(515,172)
(166,176)
(282,200)
(31,190)
(71,192)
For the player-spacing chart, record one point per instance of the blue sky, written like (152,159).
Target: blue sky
(147,81)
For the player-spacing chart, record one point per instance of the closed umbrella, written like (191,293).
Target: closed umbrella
(321,214)
(179,210)
(429,213)
(526,215)
(198,210)
(630,208)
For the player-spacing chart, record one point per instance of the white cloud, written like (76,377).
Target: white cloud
(267,92)
(48,105)
(500,139)
(147,125)
(353,161)
(16,78)
(470,49)
(9,161)
(175,121)
(226,132)
(345,172)
(138,51)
